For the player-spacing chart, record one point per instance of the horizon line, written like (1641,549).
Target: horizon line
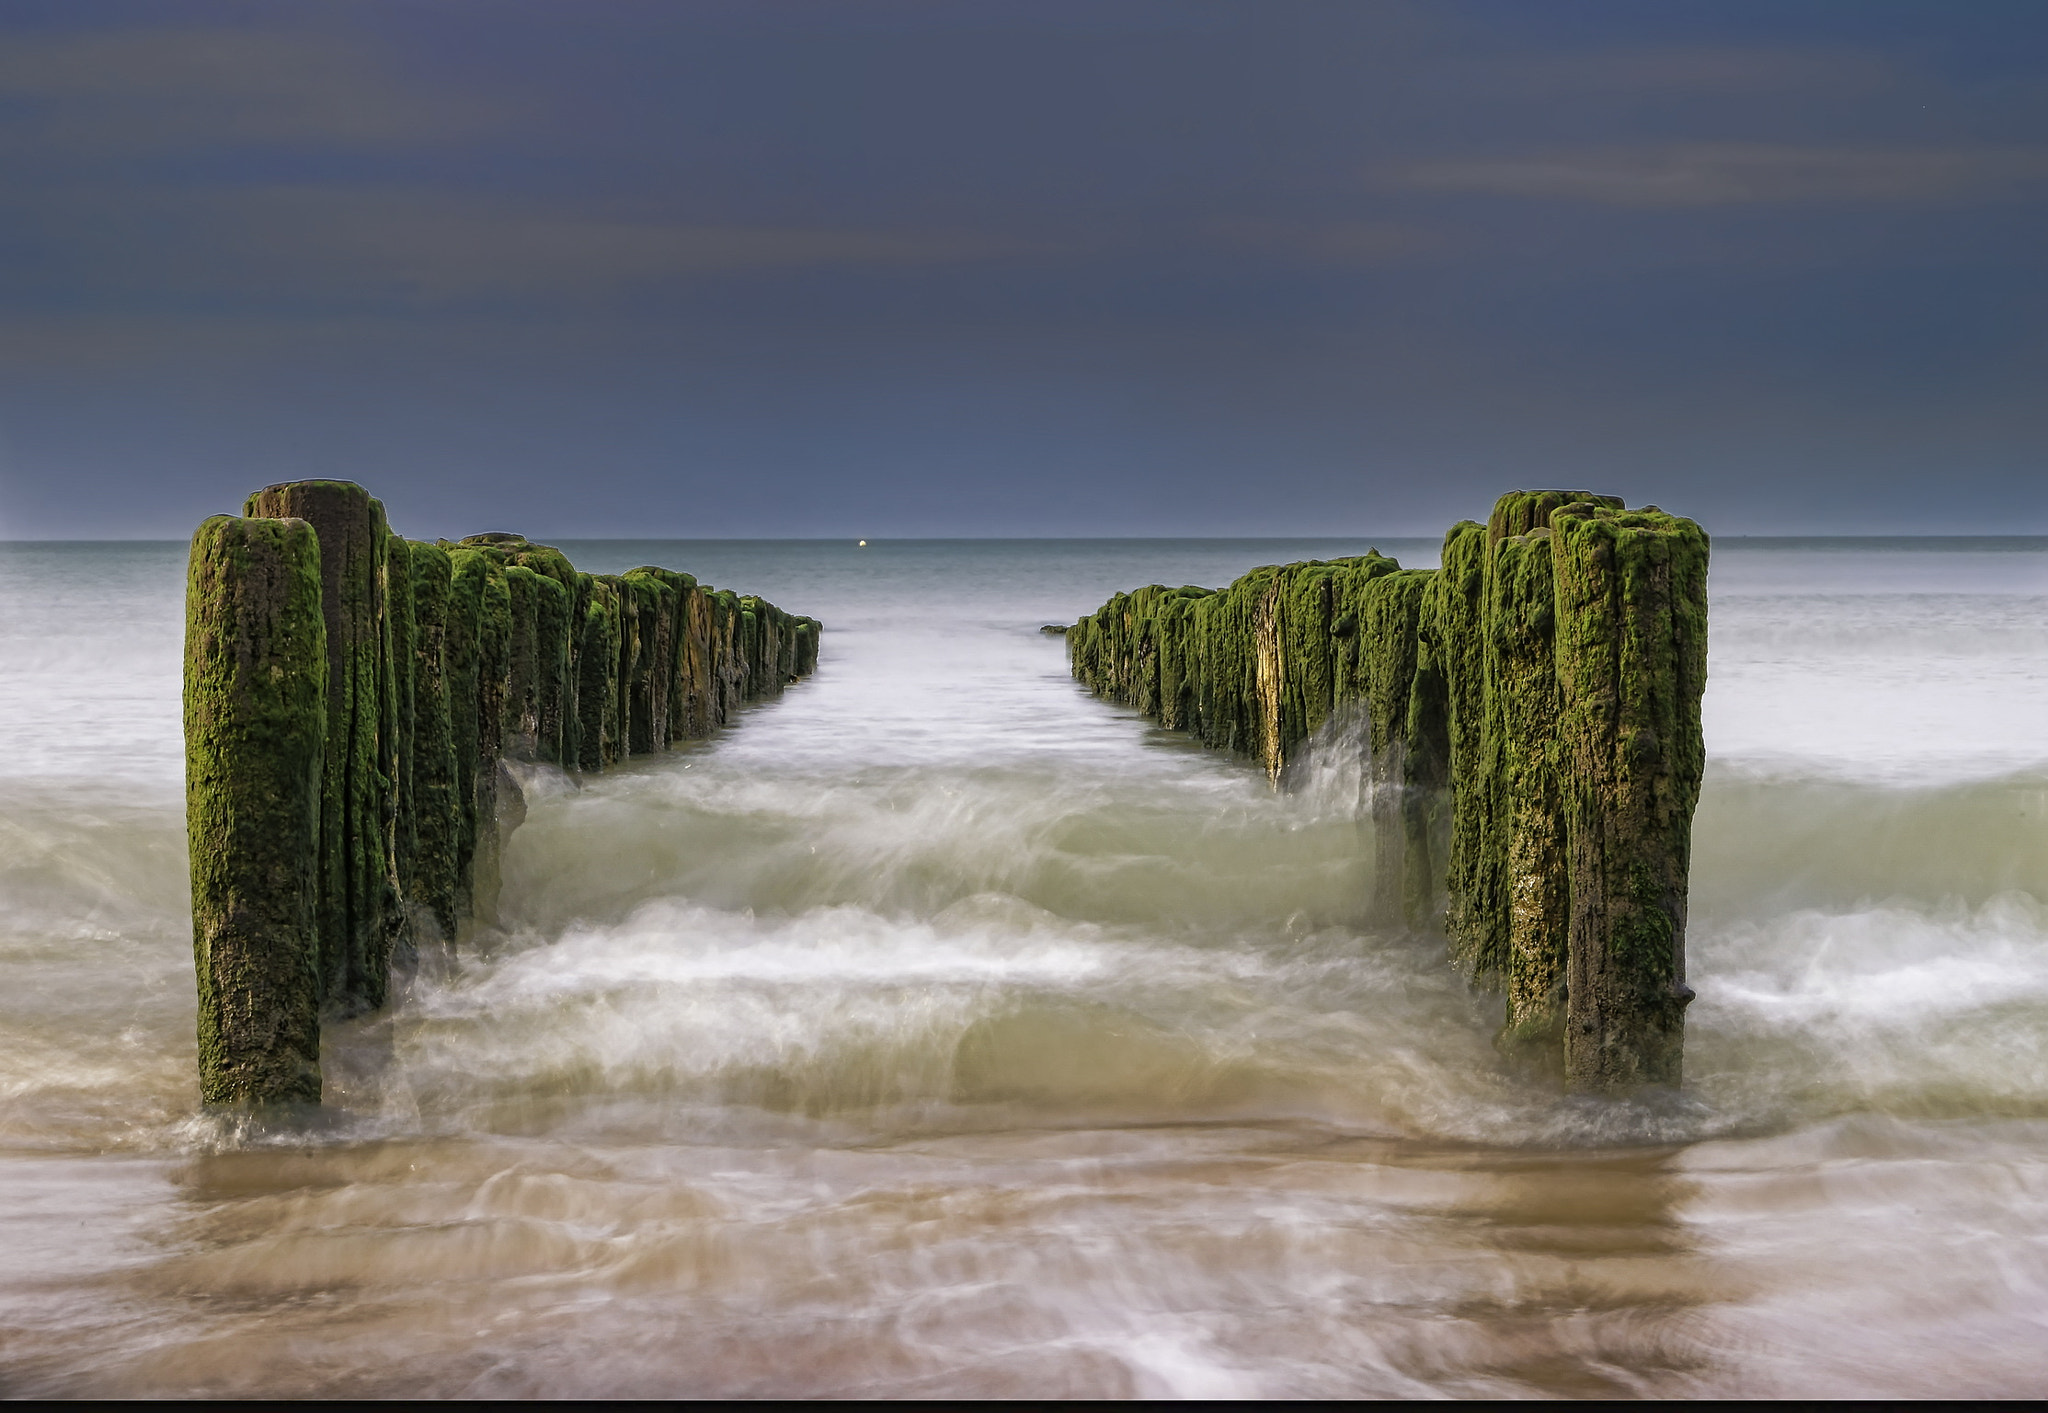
(1863,536)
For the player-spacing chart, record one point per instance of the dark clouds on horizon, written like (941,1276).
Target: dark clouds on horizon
(902,267)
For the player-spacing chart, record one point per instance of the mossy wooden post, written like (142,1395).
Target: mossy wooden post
(727,674)
(468,571)
(1387,644)
(682,616)
(1269,674)
(788,629)
(750,648)
(256,674)
(597,677)
(621,608)
(554,690)
(436,792)
(1176,623)
(494,688)
(1534,747)
(650,599)
(542,716)
(522,689)
(675,686)
(1425,767)
(401,732)
(1631,664)
(697,663)
(355,804)
(1521,622)
(349,701)
(625,622)
(1472,916)
(769,677)
(581,592)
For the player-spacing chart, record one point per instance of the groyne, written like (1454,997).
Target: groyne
(1531,716)
(352,699)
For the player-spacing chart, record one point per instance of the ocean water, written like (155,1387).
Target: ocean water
(942,1031)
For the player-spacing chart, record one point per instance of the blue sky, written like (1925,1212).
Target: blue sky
(1117,267)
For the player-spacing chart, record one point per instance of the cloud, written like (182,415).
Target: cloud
(1680,71)
(157,89)
(293,245)
(1702,174)
(1325,242)
(453,245)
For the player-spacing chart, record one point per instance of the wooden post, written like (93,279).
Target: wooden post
(1528,835)
(1631,666)
(436,792)
(356,801)
(256,677)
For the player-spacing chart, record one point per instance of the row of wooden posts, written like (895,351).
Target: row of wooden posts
(1532,711)
(351,698)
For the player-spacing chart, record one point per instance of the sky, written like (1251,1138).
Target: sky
(894,268)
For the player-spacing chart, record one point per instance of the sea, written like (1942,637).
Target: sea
(942,1031)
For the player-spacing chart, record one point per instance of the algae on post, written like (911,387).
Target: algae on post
(351,701)
(468,571)
(1533,745)
(436,788)
(355,799)
(1472,871)
(1521,622)
(1631,658)
(400,731)
(256,672)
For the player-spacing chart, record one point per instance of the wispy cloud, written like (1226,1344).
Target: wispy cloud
(1704,174)
(1324,242)
(1680,71)
(446,244)
(151,89)
(396,246)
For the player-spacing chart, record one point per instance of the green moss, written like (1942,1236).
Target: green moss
(1522,681)
(1388,650)
(1303,613)
(1472,874)
(493,709)
(809,643)
(1534,728)
(1631,659)
(469,571)
(729,655)
(436,791)
(625,664)
(1352,637)
(256,668)
(1425,777)
(493,661)
(1256,667)
(1519,512)
(751,637)
(399,732)
(1392,609)
(522,655)
(580,593)
(356,801)
(554,684)
(597,685)
(668,702)
(546,561)
(423,664)
(652,599)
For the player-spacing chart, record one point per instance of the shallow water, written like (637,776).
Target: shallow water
(944,1031)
